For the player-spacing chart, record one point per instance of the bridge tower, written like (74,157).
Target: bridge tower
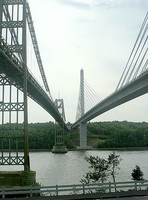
(13,101)
(59,132)
(83,128)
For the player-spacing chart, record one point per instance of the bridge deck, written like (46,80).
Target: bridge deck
(134,89)
(12,70)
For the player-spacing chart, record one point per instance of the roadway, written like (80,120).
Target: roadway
(134,89)
(12,70)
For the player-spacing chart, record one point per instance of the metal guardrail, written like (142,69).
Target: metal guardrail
(75,190)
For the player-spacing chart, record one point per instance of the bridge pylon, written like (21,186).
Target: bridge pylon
(82,126)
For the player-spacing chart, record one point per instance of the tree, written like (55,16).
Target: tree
(113,165)
(137,174)
(98,170)
(101,169)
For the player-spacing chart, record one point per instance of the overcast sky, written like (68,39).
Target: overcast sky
(96,35)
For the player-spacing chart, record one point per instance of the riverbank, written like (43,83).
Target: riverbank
(93,149)
(98,149)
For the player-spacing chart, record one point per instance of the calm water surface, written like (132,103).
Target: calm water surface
(69,168)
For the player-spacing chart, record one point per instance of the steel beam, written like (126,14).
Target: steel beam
(25,71)
(14,24)
(12,2)
(19,78)
(12,69)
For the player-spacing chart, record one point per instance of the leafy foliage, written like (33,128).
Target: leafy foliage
(100,134)
(120,134)
(101,169)
(98,168)
(41,136)
(137,174)
(113,163)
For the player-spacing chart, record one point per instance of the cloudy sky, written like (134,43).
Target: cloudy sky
(96,35)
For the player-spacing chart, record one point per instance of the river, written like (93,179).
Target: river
(69,168)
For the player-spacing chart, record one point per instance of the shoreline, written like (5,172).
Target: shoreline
(93,149)
(98,149)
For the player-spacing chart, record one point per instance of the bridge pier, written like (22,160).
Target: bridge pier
(59,141)
(17,178)
(59,149)
(83,138)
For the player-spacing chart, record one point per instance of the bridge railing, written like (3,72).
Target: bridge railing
(80,189)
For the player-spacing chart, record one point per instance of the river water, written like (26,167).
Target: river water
(69,168)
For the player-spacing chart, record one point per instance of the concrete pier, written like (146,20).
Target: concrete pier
(59,149)
(17,178)
(83,134)
(83,138)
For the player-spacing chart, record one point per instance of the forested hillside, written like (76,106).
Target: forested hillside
(120,134)
(100,135)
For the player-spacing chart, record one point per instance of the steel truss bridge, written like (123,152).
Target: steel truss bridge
(15,20)
(11,71)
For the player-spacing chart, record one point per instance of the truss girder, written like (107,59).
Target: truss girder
(60,105)
(14,24)
(12,2)
(11,106)
(16,48)
(11,68)
(7,157)
(12,160)
(10,24)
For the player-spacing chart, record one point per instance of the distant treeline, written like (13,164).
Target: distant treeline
(41,136)
(120,134)
(107,134)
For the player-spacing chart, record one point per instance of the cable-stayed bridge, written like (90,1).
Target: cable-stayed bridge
(88,98)
(133,83)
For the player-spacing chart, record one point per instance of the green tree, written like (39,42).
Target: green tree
(137,174)
(98,170)
(101,169)
(113,165)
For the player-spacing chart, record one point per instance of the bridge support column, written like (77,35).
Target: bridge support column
(59,141)
(83,128)
(83,135)
(13,98)
(83,138)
